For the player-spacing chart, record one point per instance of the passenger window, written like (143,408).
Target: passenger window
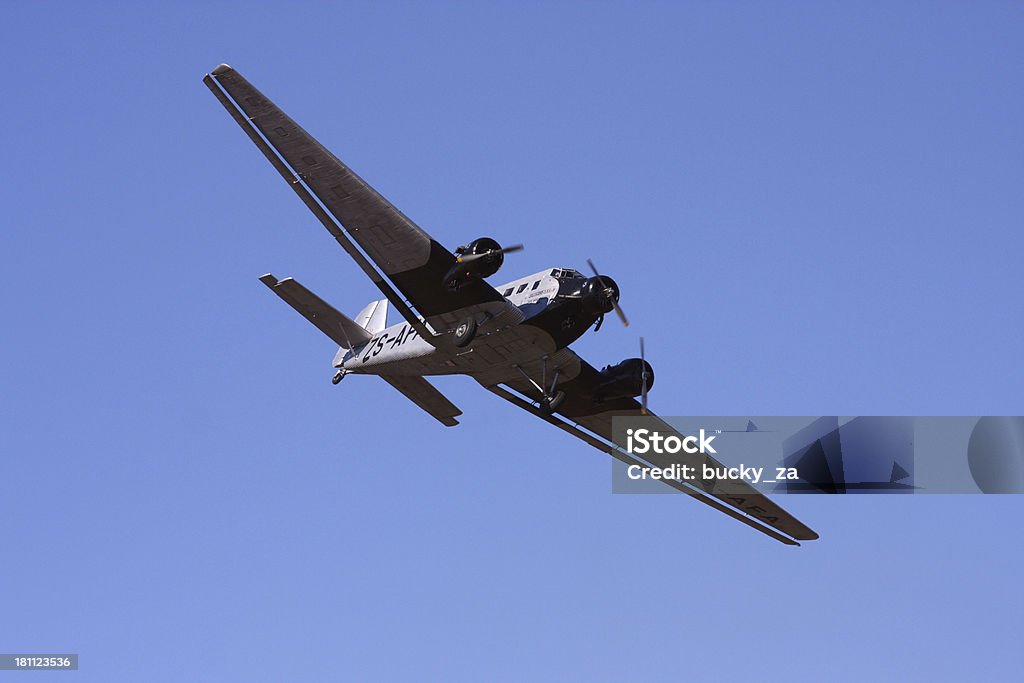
(535,285)
(508,292)
(522,287)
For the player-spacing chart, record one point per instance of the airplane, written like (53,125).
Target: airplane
(513,339)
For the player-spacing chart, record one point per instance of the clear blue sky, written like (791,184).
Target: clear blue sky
(811,208)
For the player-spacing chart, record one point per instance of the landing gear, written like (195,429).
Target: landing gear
(550,399)
(339,375)
(550,404)
(465,332)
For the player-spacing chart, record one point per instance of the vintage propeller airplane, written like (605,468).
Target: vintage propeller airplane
(512,339)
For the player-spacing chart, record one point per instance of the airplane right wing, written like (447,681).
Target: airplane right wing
(591,422)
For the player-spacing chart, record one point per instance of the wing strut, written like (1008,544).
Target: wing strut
(630,460)
(311,203)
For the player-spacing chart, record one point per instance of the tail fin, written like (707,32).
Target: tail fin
(374,318)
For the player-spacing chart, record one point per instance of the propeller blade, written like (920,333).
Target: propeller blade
(469,258)
(643,380)
(622,316)
(592,267)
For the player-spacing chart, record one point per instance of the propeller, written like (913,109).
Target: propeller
(643,379)
(609,292)
(469,258)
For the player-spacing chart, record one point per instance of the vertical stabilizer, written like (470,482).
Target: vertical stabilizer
(374,317)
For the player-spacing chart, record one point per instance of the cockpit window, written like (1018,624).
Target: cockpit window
(565,274)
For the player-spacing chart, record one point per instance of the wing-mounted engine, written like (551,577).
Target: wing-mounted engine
(474,261)
(625,380)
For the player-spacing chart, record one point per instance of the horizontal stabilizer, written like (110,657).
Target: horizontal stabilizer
(422,393)
(345,332)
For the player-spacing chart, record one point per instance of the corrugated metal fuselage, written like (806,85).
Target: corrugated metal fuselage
(551,319)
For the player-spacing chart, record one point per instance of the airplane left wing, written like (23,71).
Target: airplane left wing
(414,262)
(591,422)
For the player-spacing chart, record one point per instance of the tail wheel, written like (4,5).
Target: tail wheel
(465,332)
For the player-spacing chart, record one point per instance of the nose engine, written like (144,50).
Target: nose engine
(599,295)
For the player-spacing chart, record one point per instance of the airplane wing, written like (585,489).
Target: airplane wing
(592,423)
(414,262)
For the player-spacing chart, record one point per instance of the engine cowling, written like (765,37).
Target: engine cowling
(599,294)
(491,256)
(479,259)
(624,380)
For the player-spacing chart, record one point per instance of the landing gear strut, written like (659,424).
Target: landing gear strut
(550,404)
(550,399)
(339,375)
